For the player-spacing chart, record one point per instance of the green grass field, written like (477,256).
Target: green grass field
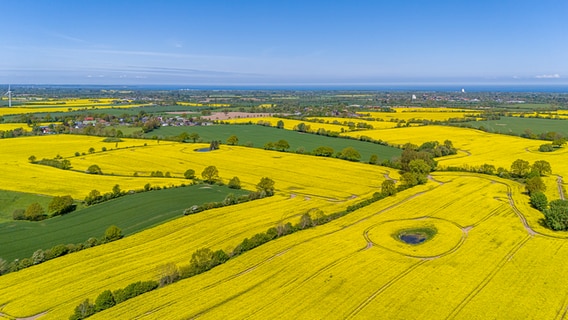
(12,200)
(259,135)
(132,213)
(518,125)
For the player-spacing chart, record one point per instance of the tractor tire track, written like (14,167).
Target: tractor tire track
(387,285)
(281,252)
(488,278)
(306,280)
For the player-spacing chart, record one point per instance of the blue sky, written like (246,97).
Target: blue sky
(283,42)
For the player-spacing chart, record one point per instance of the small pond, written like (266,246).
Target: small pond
(413,238)
(202,150)
(416,236)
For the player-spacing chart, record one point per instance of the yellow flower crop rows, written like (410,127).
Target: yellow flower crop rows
(494,268)
(290,124)
(345,121)
(65,105)
(435,114)
(490,257)
(139,256)
(196,104)
(299,175)
(20,175)
(476,147)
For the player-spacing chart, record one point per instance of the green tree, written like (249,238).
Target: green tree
(350,154)
(542,167)
(201,260)
(409,179)
(93,197)
(84,310)
(234,183)
(487,169)
(104,301)
(116,192)
(520,168)
(269,146)
(169,273)
(280,124)
(266,185)
(301,127)
(112,233)
(194,136)
(34,212)
(539,200)
(556,215)
(61,205)
(388,188)
(282,145)
(535,184)
(91,150)
(374,159)
(32,159)
(306,221)
(94,169)
(210,174)
(230,199)
(323,151)
(38,256)
(189,174)
(233,140)
(183,136)
(419,166)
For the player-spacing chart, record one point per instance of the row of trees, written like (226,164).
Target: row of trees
(205,259)
(112,233)
(35,212)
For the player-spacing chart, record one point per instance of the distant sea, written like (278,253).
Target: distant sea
(537,88)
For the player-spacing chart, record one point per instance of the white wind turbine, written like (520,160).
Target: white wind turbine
(9,94)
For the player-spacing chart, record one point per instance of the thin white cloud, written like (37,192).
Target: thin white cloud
(548,76)
(66,37)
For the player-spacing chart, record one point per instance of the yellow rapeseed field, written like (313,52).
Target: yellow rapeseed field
(490,257)
(62,105)
(138,257)
(290,124)
(483,263)
(434,114)
(196,104)
(477,147)
(19,174)
(295,174)
(346,121)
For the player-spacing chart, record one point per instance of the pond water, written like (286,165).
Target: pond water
(413,238)
(202,150)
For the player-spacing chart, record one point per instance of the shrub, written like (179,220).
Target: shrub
(61,205)
(104,301)
(112,233)
(133,290)
(189,174)
(539,200)
(547,147)
(234,183)
(94,169)
(18,214)
(84,310)
(34,212)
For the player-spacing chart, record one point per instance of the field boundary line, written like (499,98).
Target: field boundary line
(488,278)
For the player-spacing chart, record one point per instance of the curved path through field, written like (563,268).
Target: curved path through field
(3,315)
